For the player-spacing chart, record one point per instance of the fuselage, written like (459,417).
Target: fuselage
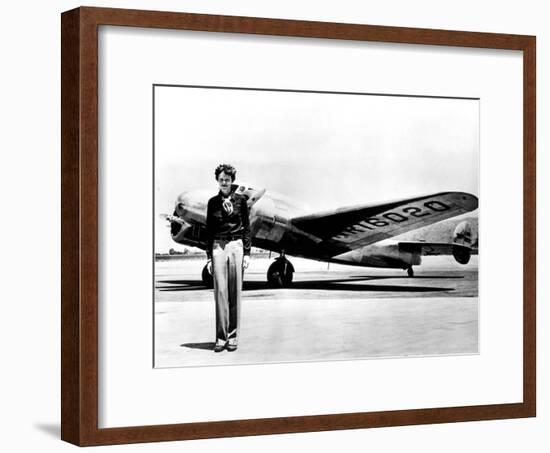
(272,229)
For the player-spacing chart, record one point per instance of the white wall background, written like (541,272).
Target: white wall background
(30,178)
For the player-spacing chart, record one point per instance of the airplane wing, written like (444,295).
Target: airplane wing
(358,226)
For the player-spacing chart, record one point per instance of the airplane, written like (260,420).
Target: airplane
(370,235)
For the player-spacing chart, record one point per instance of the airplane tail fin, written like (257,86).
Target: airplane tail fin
(462,234)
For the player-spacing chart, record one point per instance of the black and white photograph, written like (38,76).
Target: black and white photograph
(294,225)
(276,226)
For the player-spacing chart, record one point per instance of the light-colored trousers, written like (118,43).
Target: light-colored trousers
(227,267)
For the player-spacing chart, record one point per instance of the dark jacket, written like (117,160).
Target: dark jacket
(221,225)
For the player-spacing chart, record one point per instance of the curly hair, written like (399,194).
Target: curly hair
(229,170)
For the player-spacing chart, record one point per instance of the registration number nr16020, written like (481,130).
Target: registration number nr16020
(404,214)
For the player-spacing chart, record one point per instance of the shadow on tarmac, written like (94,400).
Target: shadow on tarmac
(345,284)
(208,346)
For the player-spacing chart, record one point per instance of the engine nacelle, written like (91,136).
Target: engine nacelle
(182,232)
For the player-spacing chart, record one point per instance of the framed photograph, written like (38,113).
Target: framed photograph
(275,226)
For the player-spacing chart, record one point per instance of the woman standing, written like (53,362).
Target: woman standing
(228,251)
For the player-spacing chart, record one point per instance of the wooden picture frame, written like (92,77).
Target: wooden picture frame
(79,313)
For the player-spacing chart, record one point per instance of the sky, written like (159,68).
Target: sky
(323,150)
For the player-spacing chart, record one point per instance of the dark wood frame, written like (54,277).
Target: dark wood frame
(79,281)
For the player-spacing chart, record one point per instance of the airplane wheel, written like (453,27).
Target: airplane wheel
(207,279)
(410,271)
(280,274)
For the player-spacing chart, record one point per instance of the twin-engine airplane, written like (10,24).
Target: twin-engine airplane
(363,235)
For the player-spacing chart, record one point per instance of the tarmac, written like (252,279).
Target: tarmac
(331,312)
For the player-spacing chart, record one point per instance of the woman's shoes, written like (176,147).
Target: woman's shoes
(219,347)
(232,344)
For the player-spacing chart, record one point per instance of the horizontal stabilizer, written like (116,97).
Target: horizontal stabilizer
(431,248)
(461,253)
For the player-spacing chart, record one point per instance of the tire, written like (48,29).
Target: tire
(280,274)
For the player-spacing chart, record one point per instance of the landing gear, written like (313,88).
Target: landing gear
(207,279)
(279,274)
(410,271)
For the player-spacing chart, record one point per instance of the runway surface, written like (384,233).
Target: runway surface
(330,313)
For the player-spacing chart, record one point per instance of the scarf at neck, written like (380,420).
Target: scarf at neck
(227,205)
